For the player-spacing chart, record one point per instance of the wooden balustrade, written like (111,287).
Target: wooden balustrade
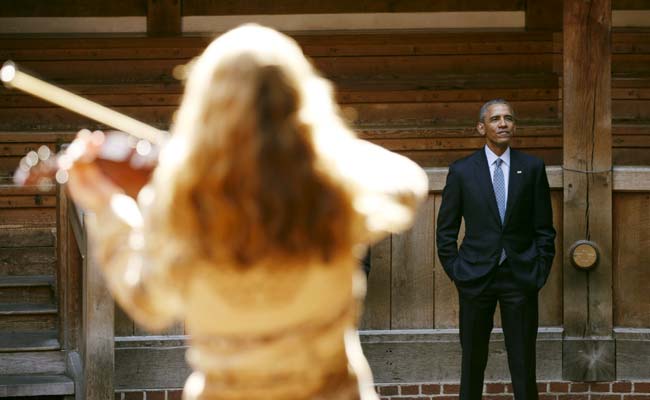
(87,308)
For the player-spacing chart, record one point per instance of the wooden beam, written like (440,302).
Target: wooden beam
(163,17)
(630,5)
(588,189)
(543,15)
(434,355)
(98,331)
(260,7)
(73,8)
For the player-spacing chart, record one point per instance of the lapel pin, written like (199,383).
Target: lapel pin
(518,171)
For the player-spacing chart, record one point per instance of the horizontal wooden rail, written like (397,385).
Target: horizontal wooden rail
(626,179)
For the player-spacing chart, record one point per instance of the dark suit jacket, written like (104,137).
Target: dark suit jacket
(527,235)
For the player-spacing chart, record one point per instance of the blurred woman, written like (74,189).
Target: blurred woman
(250,231)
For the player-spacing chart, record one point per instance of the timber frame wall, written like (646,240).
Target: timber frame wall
(415,93)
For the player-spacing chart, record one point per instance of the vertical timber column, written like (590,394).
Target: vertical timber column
(98,329)
(588,347)
(164,17)
(543,15)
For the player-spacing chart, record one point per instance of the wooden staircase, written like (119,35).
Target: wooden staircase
(32,362)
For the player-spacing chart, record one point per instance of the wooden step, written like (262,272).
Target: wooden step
(32,362)
(12,323)
(26,237)
(35,289)
(22,261)
(26,309)
(28,341)
(26,281)
(35,385)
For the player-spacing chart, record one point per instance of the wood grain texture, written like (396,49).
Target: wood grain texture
(377,309)
(551,295)
(47,362)
(150,368)
(587,196)
(34,237)
(631,253)
(27,201)
(69,274)
(543,15)
(632,179)
(163,17)
(123,325)
(177,328)
(434,356)
(98,331)
(588,359)
(28,323)
(27,261)
(28,217)
(412,277)
(630,5)
(207,7)
(632,354)
(74,8)
(445,293)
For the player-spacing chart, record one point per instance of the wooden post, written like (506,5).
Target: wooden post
(98,331)
(68,275)
(164,17)
(588,349)
(543,15)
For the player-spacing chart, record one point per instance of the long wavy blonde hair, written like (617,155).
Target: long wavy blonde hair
(240,181)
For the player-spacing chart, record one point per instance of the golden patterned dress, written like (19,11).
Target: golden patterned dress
(264,332)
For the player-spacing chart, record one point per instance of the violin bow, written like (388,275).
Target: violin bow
(14,78)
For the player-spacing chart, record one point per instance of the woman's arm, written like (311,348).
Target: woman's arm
(115,223)
(388,187)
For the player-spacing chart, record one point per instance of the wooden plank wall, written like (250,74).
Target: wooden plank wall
(588,189)
(414,93)
(418,294)
(631,250)
(59,8)
(81,8)
(631,97)
(417,93)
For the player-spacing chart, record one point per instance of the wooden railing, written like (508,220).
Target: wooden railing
(87,308)
(409,327)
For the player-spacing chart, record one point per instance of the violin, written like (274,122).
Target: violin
(128,163)
(126,157)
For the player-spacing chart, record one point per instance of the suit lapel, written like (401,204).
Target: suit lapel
(482,171)
(517,174)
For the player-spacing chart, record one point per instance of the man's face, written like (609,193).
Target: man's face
(498,127)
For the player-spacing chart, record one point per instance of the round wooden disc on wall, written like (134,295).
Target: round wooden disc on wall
(584,254)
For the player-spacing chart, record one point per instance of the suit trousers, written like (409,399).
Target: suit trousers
(519,319)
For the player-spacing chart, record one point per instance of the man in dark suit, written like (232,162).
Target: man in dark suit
(503,196)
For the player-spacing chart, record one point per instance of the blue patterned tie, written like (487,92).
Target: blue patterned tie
(500,188)
(500,192)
